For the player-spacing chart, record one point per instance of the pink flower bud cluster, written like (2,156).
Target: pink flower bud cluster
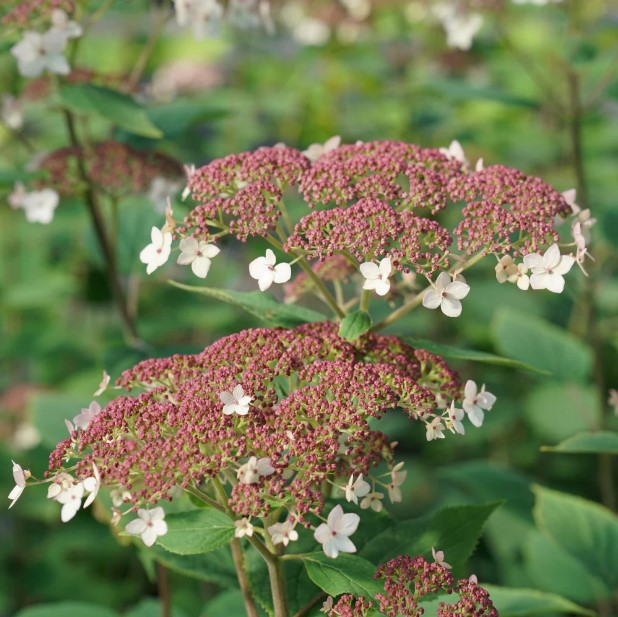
(351,606)
(370,229)
(312,395)
(506,211)
(473,600)
(334,268)
(115,167)
(27,11)
(243,190)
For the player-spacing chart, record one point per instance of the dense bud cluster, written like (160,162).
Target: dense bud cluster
(311,395)
(23,12)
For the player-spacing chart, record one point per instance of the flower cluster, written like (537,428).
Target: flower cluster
(23,12)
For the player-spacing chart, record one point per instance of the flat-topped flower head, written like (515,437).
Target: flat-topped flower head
(266,271)
(446,294)
(149,525)
(376,275)
(373,500)
(476,402)
(549,269)
(283,533)
(235,401)
(197,253)
(158,251)
(334,535)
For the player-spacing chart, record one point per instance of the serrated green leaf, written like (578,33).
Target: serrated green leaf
(197,531)
(354,325)
(112,105)
(584,529)
(471,355)
(603,442)
(62,609)
(262,305)
(346,574)
(541,345)
(454,530)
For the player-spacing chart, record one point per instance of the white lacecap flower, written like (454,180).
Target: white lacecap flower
(71,501)
(254,469)
(454,421)
(266,271)
(235,401)
(446,294)
(376,275)
(435,429)
(283,533)
(158,251)
(476,402)
(548,270)
(398,476)
(356,488)
(92,485)
(243,528)
(149,525)
(20,476)
(87,415)
(315,151)
(327,605)
(334,535)
(36,53)
(460,26)
(373,500)
(438,557)
(38,206)
(197,253)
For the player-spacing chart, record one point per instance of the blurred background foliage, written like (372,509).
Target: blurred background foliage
(386,75)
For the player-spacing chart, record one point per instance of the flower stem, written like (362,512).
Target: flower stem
(243,581)
(277,587)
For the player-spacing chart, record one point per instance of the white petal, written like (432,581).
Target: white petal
(283,273)
(136,527)
(533,260)
(347,524)
(15,494)
(258,267)
(229,409)
(345,545)
(552,257)
(266,279)
(57,63)
(209,250)
(486,400)
(201,266)
(370,284)
(470,390)
(370,270)
(443,280)
(432,299)
(149,536)
(554,283)
(451,307)
(330,548)
(475,413)
(187,245)
(523,282)
(538,281)
(457,289)
(566,263)
(382,287)
(69,510)
(323,533)
(270,258)
(385,267)
(159,526)
(238,392)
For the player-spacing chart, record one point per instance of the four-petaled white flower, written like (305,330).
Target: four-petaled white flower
(92,485)
(103,385)
(355,489)
(235,401)
(506,270)
(548,270)
(36,53)
(158,251)
(254,469)
(455,152)
(454,421)
(315,151)
(435,429)
(149,526)
(372,500)
(475,403)
(71,500)
(20,476)
(283,533)
(446,294)
(460,27)
(264,270)
(198,254)
(334,535)
(376,276)
(243,528)
(438,557)
(87,415)
(327,606)
(39,206)
(398,477)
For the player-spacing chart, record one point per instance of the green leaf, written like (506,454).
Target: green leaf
(197,531)
(62,609)
(541,345)
(454,530)
(215,567)
(226,604)
(603,442)
(530,602)
(262,305)
(176,117)
(112,105)
(471,355)
(346,574)
(354,325)
(462,90)
(49,411)
(584,529)
(149,607)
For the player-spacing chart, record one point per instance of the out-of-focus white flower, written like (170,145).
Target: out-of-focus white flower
(197,253)
(87,415)
(103,385)
(202,15)
(446,294)
(160,190)
(373,500)
(235,401)
(315,151)
(12,112)
(461,27)
(149,525)
(454,421)
(438,557)
(119,497)
(264,270)
(20,476)
(158,251)
(26,436)
(36,53)
(283,533)
(455,152)
(334,535)
(243,528)
(581,215)
(475,403)
(376,276)
(38,206)
(355,489)
(548,270)
(480,165)
(65,26)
